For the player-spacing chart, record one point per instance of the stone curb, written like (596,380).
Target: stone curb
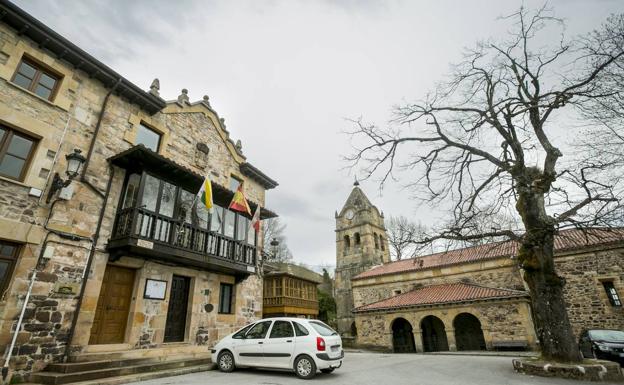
(590,370)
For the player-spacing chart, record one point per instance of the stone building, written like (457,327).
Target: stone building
(290,290)
(475,298)
(116,260)
(361,243)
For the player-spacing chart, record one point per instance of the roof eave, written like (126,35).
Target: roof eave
(53,42)
(396,308)
(251,171)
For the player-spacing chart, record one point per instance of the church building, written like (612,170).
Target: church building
(466,299)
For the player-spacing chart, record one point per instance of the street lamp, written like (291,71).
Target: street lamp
(274,246)
(74,161)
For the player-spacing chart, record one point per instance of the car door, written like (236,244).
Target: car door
(279,347)
(250,350)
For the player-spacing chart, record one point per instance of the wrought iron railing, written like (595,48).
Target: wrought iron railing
(143,224)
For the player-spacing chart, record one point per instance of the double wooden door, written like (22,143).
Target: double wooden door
(176,312)
(111,314)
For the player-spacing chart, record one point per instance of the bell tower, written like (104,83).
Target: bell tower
(361,242)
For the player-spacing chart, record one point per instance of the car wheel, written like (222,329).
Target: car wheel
(226,362)
(327,371)
(305,367)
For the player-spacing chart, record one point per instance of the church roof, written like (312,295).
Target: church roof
(565,240)
(357,199)
(441,294)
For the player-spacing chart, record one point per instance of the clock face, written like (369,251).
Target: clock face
(349,214)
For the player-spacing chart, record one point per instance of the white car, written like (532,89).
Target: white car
(298,344)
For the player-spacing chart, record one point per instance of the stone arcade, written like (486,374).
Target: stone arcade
(465,299)
(127,264)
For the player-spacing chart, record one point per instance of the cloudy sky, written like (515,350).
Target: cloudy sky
(287,74)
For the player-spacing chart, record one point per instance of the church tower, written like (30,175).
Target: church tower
(361,242)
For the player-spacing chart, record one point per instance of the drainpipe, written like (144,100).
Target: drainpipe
(85,273)
(83,178)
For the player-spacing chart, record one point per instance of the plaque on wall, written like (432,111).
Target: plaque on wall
(155,289)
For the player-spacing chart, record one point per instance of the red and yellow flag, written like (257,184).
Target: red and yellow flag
(239,203)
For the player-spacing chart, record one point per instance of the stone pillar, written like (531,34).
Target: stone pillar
(450,337)
(418,341)
(487,337)
(389,341)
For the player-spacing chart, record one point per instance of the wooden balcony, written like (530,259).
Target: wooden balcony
(290,305)
(149,235)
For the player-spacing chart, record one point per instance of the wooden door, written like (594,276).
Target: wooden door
(111,314)
(176,312)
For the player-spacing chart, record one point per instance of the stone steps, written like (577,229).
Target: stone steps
(104,371)
(141,376)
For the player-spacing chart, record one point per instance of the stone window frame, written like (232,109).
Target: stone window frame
(614,298)
(40,69)
(12,259)
(147,127)
(22,49)
(141,118)
(4,142)
(232,303)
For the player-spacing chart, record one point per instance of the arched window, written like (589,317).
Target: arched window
(376,240)
(347,242)
(357,239)
(381,241)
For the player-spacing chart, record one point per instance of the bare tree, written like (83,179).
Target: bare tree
(403,236)
(273,228)
(483,143)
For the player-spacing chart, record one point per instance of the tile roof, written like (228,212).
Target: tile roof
(294,270)
(441,294)
(565,240)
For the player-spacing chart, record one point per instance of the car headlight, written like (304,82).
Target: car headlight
(604,348)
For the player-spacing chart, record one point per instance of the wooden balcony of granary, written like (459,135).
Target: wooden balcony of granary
(159,218)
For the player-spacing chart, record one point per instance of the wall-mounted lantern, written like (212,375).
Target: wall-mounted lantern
(74,162)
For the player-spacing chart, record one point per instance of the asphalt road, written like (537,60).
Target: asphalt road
(382,369)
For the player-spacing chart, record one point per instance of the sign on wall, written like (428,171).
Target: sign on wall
(155,289)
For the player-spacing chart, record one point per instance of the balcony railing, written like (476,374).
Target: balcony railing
(159,230)
(290,301)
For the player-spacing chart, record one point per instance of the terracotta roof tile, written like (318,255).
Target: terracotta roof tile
(441,294)
(566,240)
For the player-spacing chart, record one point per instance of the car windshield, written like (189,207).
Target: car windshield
(322,329)
(607,335)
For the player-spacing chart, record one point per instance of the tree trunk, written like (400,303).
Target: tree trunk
(536,258)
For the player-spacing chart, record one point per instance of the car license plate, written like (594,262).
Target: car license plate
(335,348)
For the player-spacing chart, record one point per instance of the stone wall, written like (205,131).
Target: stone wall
(586,299)
(501,321)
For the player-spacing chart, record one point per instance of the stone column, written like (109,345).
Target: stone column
(418,341)
(450,337)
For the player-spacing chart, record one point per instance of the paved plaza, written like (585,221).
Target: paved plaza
(383,369)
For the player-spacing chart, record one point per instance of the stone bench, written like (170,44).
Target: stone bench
(510,345)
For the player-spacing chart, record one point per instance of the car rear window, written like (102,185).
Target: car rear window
(300,330)
(322,329)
